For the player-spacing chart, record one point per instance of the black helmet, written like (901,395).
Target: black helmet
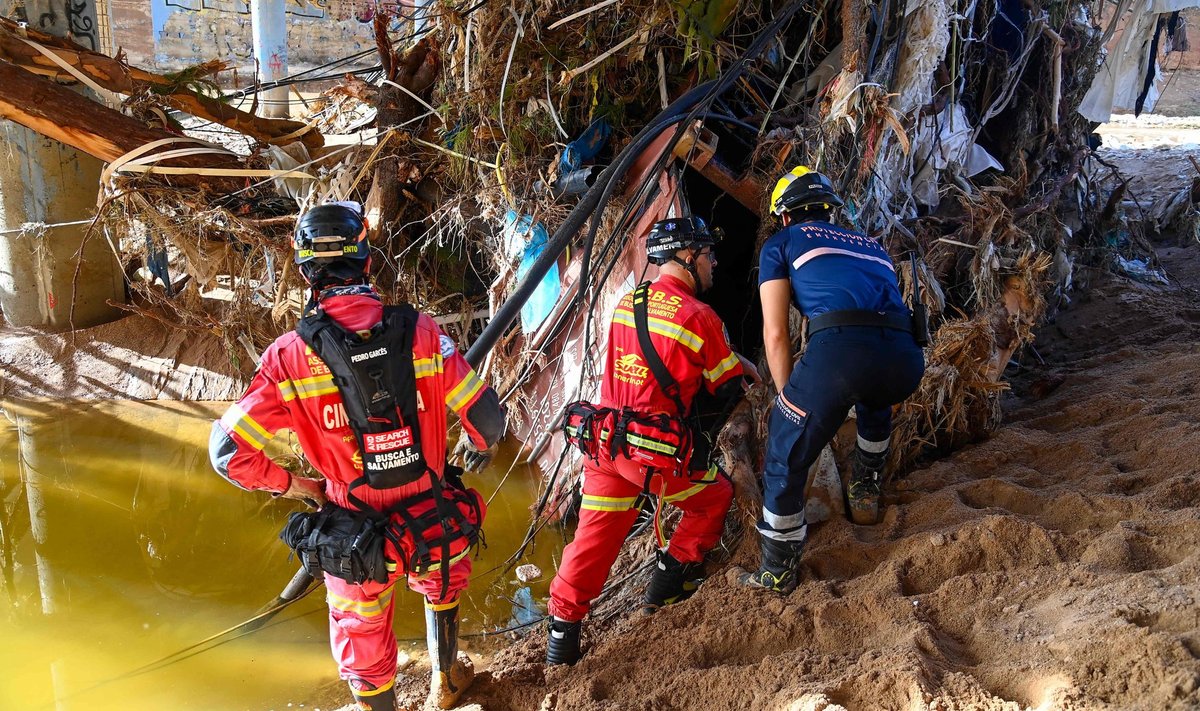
(803,188)
(329,233)
(671,235)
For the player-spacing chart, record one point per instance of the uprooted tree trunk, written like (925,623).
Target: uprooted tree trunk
(17,46)
(415,71)
(59,113)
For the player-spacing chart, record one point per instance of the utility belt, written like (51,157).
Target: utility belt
(860,317)
(656,441)
(419,535)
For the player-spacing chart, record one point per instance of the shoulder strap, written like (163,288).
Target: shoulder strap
(641,321)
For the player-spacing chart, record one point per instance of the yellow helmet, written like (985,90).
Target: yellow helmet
(803,188)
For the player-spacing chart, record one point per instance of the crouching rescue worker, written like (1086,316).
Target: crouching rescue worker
(364,387)
(861,352)
(664,347)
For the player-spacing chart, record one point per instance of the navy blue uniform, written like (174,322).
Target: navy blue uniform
(868,367)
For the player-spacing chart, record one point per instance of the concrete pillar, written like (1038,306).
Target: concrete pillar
(269,24)
(37,474)
(43,181)
(420,15)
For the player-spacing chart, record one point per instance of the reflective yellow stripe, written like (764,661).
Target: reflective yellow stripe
(695,489)
(441,606)
(376,692)
(709,476)
(663,328)
(287,391)
(362,608)
(307,387)
(651,444)
(607,503)
(236,419)
(438,565)
(425,367)
(721,368)
(464,391)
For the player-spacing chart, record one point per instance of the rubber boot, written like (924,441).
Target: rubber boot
(672,582)
(777,572)
(373,699)
(451,676)
(866,480)
(562,642)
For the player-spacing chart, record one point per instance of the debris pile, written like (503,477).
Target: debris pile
(505,143)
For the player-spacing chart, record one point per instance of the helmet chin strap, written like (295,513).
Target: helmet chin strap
(691,269)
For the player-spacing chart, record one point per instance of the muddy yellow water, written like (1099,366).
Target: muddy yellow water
(120,549)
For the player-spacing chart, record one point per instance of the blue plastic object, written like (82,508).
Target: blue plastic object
(522,228)
(584,148)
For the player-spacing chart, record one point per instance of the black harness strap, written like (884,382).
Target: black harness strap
(376,379)
(641,321)
(443,512)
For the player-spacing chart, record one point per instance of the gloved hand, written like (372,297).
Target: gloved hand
(310,491)
(749,369)
(472,459)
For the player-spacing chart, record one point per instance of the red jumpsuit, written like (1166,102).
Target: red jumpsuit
(293,389)
(690,339)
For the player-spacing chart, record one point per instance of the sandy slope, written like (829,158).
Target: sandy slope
(1054,565)
(134,358)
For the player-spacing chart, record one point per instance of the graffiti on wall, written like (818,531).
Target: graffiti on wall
(81,22)
(72,18)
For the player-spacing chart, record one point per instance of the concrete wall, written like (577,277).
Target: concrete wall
(172,34)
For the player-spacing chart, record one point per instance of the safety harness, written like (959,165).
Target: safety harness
(374,374)
(658,441)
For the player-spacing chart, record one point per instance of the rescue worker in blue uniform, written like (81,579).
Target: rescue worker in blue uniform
(861,352)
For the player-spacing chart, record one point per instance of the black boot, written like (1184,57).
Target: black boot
(562,642)
(373,699)
(777,571)
(866,481)
(451,677)
(672,582)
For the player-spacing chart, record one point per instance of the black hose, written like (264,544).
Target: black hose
(587,205)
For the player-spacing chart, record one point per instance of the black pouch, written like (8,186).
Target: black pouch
(346,544)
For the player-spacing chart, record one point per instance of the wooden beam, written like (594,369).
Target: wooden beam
(698,146)
(117,76)
(59,113)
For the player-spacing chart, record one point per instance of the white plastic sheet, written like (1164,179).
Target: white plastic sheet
(1122,76)
(941,140)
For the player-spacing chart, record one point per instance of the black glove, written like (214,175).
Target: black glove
(473,459)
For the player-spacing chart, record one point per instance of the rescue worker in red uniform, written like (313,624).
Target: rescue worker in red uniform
(331,403)
(659,454)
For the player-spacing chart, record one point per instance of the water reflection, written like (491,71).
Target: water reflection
(119,547)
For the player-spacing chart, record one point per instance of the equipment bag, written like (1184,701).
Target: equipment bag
(431,530)
(657,441)
(583,424)
(346,544)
